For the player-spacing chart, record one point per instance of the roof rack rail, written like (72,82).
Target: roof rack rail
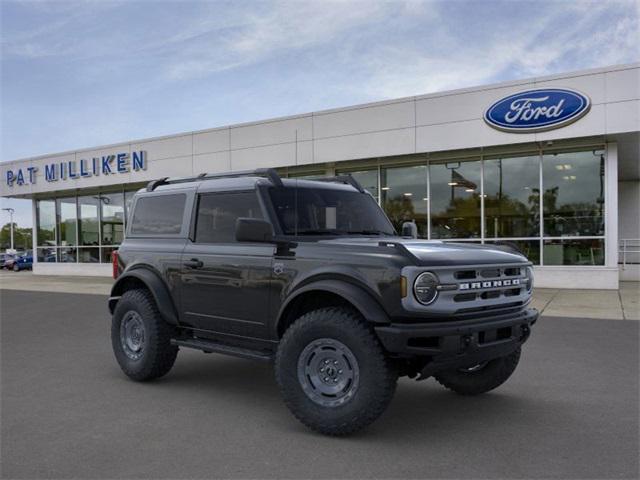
(270,173)
(347,179)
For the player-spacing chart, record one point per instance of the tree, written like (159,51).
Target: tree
(22,237)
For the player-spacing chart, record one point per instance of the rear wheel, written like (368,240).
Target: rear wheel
(140,338)
(333,373)
(480,378)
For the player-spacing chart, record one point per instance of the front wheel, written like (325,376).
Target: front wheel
(333,373)
(16,268)
(140,338)
(480,378)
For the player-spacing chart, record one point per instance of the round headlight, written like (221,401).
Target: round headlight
(529,279)
(425,288)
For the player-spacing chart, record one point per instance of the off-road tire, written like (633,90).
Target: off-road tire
(377,374)
(490,376)
(158,355)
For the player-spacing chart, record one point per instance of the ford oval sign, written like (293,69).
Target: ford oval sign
(537,110)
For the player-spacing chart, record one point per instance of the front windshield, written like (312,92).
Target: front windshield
(325,211)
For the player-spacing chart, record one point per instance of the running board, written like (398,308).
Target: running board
(209,346)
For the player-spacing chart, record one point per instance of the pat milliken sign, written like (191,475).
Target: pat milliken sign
(537,110)
(117,163)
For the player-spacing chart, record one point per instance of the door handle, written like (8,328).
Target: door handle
(194,263)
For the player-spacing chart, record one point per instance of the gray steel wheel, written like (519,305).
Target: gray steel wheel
(328,372)
(132,335)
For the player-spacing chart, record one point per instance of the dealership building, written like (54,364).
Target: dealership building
(550,165)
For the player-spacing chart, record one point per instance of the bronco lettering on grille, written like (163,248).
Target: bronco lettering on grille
(489,284)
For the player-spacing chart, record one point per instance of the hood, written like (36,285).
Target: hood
(438,253)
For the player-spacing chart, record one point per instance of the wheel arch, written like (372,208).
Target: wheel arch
(325,293)
(149,280)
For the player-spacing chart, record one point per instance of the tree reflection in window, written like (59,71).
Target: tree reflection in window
(512,197)
(455,199)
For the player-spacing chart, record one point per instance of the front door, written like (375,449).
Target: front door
(225,284)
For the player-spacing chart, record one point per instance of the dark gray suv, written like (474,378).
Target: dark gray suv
(312,276)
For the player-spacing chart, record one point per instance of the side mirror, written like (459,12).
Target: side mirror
(410,229)
(253,230)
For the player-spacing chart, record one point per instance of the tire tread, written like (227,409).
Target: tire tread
(342,318)
(162,353)
(494,374)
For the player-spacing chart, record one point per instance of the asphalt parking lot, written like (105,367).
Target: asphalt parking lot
(570,411)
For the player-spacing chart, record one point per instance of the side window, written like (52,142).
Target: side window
(218,212)
(158,215)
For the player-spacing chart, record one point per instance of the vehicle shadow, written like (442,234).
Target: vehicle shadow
(418,408)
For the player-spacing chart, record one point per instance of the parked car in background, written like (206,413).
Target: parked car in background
(7,260)
(23,262)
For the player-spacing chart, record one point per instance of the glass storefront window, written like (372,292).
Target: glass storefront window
(530,248)
(128,203)
(67,254)
(455,199)
(307,175)
(574,252)
(112,218)
(88,220)
(573,198)
(512,197)
(404,196)
(105,253)
(46,219)
(367,178)
(67,221)
(89,255)
(47,254)
(88,228)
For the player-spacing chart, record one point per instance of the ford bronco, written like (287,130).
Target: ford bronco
(312,276)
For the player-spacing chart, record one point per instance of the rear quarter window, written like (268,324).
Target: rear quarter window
(158,215)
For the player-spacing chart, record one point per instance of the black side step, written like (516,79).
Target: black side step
(210,346)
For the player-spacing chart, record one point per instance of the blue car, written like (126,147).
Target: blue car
(23,262)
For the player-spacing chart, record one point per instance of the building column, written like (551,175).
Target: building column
(611,206)
(34,233)
(330,169)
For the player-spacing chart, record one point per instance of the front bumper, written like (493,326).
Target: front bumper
(459,344)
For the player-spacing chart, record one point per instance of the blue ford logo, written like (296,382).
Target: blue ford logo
(537,110)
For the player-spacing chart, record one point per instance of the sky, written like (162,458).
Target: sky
(86,73)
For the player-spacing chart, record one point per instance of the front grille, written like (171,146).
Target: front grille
(495,272)
(489,283)
(474,291)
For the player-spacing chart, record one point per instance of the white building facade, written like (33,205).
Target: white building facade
(550,165)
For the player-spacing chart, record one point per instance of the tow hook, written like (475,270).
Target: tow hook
(466,342)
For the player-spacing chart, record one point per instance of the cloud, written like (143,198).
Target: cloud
(287,26)
(404,47)
(527,47)
(101,72)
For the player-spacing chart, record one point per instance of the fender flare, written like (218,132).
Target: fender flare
(362,300)
(155,285)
